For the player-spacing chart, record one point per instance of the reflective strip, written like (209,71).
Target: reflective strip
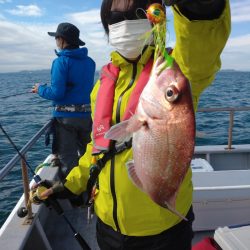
(73,108)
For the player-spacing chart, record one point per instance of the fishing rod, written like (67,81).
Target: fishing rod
(36,177)
(49,201)
(22,93)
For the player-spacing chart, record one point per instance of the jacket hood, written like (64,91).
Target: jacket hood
(74,53)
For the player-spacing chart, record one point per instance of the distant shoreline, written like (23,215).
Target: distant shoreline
(97,71)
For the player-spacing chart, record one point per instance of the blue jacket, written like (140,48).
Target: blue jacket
(72,78)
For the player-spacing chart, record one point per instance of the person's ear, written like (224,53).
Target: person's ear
(60,42)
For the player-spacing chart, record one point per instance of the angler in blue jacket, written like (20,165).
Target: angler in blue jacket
(72,77)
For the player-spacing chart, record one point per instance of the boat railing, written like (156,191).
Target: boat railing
(4,171)
(8,167)
(231,111)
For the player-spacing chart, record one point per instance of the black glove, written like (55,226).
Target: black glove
(199,9)
(61,192)
(56,186)
(172,2)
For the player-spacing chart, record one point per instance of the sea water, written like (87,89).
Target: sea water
(23,115)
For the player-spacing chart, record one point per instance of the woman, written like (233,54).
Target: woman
(127,217)
(72,77)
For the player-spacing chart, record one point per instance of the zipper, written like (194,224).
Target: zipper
(112,167)
(112,187)
(118,113)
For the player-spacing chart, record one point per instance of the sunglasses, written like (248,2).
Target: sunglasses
(119,16)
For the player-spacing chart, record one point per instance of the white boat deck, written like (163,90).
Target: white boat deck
(221,198)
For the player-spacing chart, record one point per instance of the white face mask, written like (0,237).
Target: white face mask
(128,37)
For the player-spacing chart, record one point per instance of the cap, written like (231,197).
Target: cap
(69,32)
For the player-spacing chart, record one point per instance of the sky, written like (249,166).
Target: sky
(25,44)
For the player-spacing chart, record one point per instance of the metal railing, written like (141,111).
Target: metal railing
(7,168)
(34,139)
(231,119)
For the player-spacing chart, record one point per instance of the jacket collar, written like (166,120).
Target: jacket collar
(120,61)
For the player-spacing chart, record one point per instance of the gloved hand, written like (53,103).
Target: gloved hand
(199,9)
(56,189)
(52,187)
(172,2)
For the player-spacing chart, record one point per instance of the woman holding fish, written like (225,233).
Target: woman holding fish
(143,194)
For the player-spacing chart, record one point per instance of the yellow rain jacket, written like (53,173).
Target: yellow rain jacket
(118,203)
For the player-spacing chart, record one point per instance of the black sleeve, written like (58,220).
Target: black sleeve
(59,191)
(201,9)
(64,194)
(76,200)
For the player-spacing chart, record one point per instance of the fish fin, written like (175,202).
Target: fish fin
(172,200)
(124,130)
(132,175)
(119,132)
(170,206)
(135,123)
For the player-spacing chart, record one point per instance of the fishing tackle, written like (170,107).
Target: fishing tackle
(22,212)
(36,177)
(22,93)
(35,195)
(156,15)
(49,201)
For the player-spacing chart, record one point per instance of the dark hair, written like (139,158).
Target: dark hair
(107,4)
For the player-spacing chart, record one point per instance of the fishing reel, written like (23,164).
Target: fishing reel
(35,198)
(35,195)
(22,212)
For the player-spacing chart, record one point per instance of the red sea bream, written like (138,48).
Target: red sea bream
(163,131)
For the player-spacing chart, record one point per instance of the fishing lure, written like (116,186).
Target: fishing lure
(156,15)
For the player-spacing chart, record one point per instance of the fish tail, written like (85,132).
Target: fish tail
(171,209)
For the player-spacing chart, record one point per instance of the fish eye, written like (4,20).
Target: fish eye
(171,94)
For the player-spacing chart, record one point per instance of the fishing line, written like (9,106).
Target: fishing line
(22,93)
(19,153)
(53,202)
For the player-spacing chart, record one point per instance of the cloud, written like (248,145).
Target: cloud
(239,42)
(26,10)
(240,11)
(25,46)
(2,17)
(5,1)
(236,54)
(86,17)
(89,23)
